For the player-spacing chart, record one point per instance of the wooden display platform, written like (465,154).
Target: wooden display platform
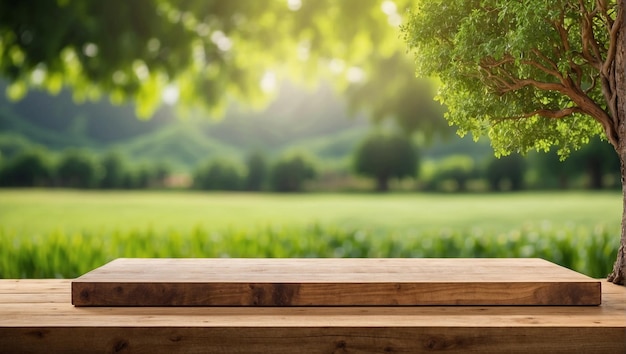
(36,316)
(333,282)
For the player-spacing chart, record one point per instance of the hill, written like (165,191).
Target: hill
(57,123)
(314,121)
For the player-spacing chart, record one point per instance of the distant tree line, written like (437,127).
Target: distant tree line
(383,158)
(289,174)
(592,167)
(78,168)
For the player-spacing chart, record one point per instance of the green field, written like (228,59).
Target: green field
(65,233)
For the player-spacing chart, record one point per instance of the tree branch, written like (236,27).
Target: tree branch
(503,75)
(590,47)
(546,86)
(504,81)
(604,10)
(610,56)
(554,70)
(594,82)
(554,114)
(565,47)
(500,78)
(545,113)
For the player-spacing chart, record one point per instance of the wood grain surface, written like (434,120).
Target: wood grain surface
(36,316)
(333,282)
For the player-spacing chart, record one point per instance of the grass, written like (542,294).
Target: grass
(66,233)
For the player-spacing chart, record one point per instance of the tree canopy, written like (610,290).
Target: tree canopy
(513,70)
(392,92)
(201,52)
(529,74)
(385,156)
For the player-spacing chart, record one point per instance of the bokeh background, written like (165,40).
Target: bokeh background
(283,128)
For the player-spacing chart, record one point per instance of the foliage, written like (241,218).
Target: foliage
(219,174)
(29,168)
(597,159)
(291,172)
(506,170)
(384,157)
(74,168)
(458,169)
(529,74)
(78,169)
(594,162)
(542,171)
(68,255)
(256,172)
(208,50)
(511,69)
(391,92)
(73,232)
(113,167)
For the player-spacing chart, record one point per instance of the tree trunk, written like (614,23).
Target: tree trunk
(619,269)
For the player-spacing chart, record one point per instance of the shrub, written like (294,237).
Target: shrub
(384,157)
(218,175)
(78,169)
(30,168)
(290,173)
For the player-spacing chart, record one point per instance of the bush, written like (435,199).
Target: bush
(290,173)
(218,175)
(257,172)
(506,173)
(114,168)
(30,168)
(78,169)
(453,173)
(384,157)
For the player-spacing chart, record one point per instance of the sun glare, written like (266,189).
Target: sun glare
(170,95)
(391,10)
(294,5)
(268,82)
(355,74)
(222,42)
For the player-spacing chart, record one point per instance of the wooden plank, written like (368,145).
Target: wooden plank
(63,328)
(333,282)
(612,313)
(33,291)
(311,340)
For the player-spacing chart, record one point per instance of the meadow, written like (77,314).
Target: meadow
(64,233)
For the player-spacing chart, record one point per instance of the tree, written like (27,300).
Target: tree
(29,168)
(78,169)
(458,169)
(113,168)
(218,174)
(507,169)
(290,173)
(529,74)
(391,92)
(597,159)
(257,171)
(592,164)
(384,157)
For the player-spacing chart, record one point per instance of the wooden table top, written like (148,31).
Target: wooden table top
(333,282)
(36,316)
(46,303)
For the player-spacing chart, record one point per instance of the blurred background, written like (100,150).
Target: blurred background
(284,128)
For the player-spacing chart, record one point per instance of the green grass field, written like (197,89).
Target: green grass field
(66,233)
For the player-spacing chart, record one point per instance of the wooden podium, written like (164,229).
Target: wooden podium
(314,306)
(333,282)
